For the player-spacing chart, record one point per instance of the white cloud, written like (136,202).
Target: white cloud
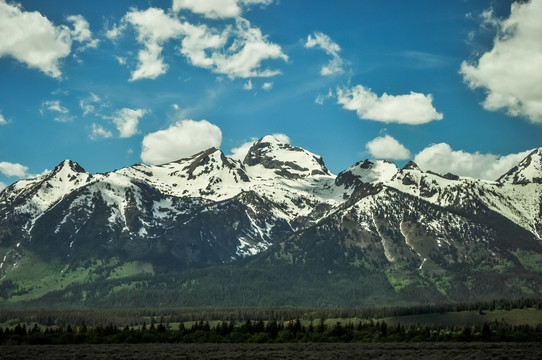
(32,39)
(13,169)
(98,132)
(121,60)
(81,32)
(153,28)
(180,140)
(56,107)
(151,64)
(87,104)
(321,98)
(510,72)
(244,57)
(215,9)
(2,120)
(116,31)
(203,46)
(199,40)
(127,120)
(283,138)
(29,37)
(442,159)
(324,42)
(240,152)
(386,147)
(2,186)
(267,86)
(412,109)
(248,85)
(488,19)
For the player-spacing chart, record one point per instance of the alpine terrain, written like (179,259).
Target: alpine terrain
(276,228)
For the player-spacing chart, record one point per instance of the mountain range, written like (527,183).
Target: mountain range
(276,228)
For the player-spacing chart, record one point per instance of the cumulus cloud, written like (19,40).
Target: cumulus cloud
(267,86)
(81,32)
(62,113)
(29,37)
(215,9)
(442,159)
(127,120)
(248,85)
(88,104)
(98,132)
(240,152)
(325,43)
(180,140)
(2,120)
(510,72)
(153,27)
(244,57)
(54,105)
(151,64)
(13,169)
(386,147)
(32,39)
(412,109)
(237,50)
(2,186)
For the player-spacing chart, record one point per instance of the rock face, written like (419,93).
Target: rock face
(420,229)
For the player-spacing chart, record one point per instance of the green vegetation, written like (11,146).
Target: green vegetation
(34,278)
(268,332)
(506,320)
(530,260)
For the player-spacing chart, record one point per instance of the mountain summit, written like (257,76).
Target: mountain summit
(529,170)
(278,214)
(282,159)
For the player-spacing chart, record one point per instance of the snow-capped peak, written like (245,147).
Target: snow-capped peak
(66,176)
(529,170)
(66,168)
(368,171)
(269,157)
(271,139)
(411,165)
(206,161)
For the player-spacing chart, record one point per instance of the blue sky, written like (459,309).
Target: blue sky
(453,85)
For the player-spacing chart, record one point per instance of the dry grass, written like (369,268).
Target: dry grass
(385,351)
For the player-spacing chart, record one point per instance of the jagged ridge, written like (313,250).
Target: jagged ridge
(282,201)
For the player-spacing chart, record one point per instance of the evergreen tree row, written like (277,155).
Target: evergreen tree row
(269,332)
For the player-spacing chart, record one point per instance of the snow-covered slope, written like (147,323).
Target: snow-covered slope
(520,202)
(269,158)
(368,171)
(528,171)
(31,198)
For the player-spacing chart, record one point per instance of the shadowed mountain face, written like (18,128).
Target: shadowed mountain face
(420,236)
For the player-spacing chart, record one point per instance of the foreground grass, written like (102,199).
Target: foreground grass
(449,351)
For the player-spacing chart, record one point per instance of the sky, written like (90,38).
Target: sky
(453,85)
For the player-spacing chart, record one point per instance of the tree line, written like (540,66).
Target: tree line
(135,316)
(269,332)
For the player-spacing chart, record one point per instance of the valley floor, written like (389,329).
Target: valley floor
(383,351)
